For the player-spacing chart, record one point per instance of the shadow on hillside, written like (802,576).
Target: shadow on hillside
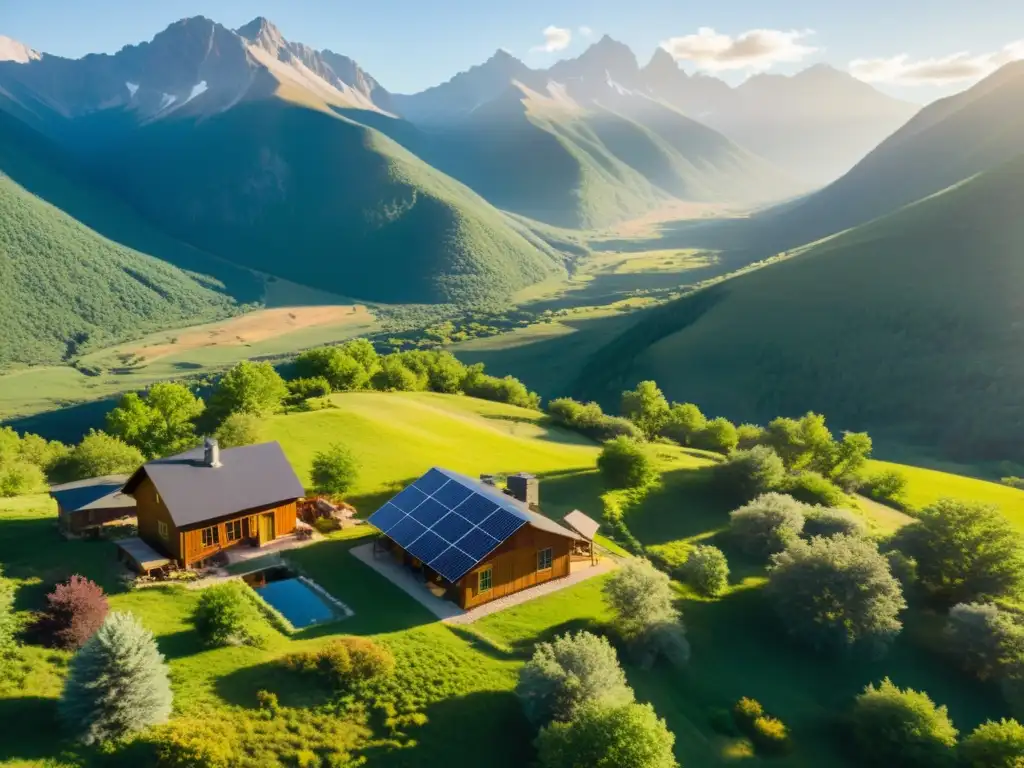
(563,491)
(22,720)
(68,424)
(293,689)
(180,644)
(485,728)
(53,175)
(686,504)
(552,432)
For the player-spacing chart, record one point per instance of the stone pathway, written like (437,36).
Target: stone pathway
(449,612)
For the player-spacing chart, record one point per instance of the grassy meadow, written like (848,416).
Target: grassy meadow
(457,675)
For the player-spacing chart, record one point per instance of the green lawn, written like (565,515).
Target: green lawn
(925,486)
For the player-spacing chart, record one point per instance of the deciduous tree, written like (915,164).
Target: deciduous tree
(641,599)
(625,463)
(768,524)
(628,736)
(902,727)
(646,407)
(254,388)
(334,470)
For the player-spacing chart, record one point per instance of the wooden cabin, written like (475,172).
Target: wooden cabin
(470,541)
(204,501)
(84,506)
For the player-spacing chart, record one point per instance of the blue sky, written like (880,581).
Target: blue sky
(411,44)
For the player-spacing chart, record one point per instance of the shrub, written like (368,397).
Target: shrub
(812,488)
(249,387)
(628,736)
(707,570)
(99,454)
(749,435)
(641,599)
(646,407)
(568,673)
(986,640)
(8,623)
(18,478)
(334,470)
(502,390)
(75,610)
(326,524)
(888,486)
(995,745)
(304,389)
(588,419)
(822,521)
(746,711)
(223,616)
(902,727)
(903,568)
(117,683)
(718,435)
(340,370)
(625,463)
(746,474)
(965,552)
(395,376)
(767,525)
(770,736)
(345,663)
(835,592)
(684,423)
(239,429)
(195,742)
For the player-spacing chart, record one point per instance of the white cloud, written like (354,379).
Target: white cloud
(940,70)
(555,39)
(755,50)
(585,31)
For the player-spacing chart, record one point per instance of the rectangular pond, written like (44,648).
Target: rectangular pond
(302,605)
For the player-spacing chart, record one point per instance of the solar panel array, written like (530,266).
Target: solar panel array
(446,523)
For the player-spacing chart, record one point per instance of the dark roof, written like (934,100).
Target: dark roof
(583,525)
(453,523)
(249,477)
(94,493)
(510,503)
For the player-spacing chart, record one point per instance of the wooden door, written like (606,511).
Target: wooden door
(266,528)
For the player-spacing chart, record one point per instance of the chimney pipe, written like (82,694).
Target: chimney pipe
(211,452)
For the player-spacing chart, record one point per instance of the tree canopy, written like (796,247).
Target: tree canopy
(646,407)
(335,469)
(254,388)
(902,727)
(628,736)
(625,463)
(159,423)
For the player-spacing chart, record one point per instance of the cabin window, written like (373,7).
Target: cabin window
(484,584)
(211,536)
(233,529)
(544,559)
(161,528)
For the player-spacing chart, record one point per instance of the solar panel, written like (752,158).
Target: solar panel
(406,532)
(427,547)
(452,564)
(448,522)
(476,508)
(386,517)
(453,494)
(431,482)
(502,524)
(409,499)
(477,544)
(429,512)
(452,527)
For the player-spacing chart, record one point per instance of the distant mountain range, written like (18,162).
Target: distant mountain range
(259,156)
(909,323)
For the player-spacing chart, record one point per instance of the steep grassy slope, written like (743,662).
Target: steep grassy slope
(77,282)
(945,143)
(909,327)
(309,195)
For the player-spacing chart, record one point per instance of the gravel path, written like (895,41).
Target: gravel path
(449,612)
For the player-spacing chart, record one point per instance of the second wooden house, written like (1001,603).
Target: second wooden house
(197,504)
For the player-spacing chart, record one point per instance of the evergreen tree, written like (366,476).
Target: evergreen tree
(117,683)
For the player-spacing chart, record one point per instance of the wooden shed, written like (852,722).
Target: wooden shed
(85,505)
(204,501)
(470,541)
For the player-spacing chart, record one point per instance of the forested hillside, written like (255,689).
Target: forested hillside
(67,287)
(909,327)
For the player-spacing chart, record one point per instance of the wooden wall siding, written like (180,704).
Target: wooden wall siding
(514,566)
(284,523)
(151,511)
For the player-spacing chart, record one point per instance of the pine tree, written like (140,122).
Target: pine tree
(117,683)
